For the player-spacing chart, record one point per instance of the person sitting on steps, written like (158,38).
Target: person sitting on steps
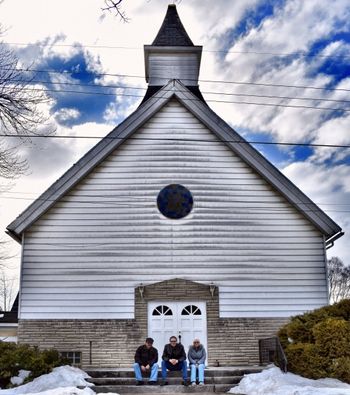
(146,358)
(196,357)
(174,358)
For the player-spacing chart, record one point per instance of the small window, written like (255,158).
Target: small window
(74,357)
(175,201)
(162,310)
(191,309)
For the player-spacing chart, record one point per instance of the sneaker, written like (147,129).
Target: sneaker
(164,382)
(185,383)
(152,383)
(139,383)
(193,384)
(201,383)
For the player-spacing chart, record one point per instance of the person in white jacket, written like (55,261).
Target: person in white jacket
(196,356)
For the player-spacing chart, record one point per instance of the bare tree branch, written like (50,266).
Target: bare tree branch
(115,5)
(7,291)
(338,279)
(11,164)
(20,113)
(19,101)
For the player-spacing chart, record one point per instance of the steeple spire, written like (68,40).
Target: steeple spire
(172,32)
(172,54)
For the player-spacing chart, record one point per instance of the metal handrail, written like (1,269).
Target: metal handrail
(271,351)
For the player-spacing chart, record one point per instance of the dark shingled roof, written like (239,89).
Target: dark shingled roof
(172,33)
(14,308)
(8,317)
(152,90)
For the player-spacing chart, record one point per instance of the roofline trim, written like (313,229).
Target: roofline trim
(258,162)
(91,159)
(216,124)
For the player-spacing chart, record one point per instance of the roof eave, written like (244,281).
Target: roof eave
(258,162)
(217,125)
(91,159)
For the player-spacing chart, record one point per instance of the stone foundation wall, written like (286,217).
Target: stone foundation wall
(112,343)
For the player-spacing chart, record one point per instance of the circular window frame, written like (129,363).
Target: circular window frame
(170,205)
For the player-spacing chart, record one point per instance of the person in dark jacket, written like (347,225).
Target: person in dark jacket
(174,358)
(196,357)
(146,358)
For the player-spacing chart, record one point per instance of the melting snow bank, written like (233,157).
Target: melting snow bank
(61,381)
(273,382)
(60,391)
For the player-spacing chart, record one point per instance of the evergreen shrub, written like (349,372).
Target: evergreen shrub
(317,343)
(14,357)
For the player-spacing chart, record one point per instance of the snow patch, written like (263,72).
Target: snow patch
(273,382)
(22,375)
(61,381)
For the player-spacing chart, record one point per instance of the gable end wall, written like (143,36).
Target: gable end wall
(84,257)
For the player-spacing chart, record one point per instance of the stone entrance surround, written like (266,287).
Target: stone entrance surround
(112,343)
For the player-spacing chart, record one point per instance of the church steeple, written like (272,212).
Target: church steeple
(172,54)
(172,32)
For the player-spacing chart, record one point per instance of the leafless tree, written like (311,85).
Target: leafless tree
(7,290)
(338,279)
(11,164)
(19,112)
(20,118)
(19,98)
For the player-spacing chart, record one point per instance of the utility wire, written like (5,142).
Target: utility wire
(282,54)
(194,99)
(268,209)
(203,92)
(179,139)
(188,79)
(141,199)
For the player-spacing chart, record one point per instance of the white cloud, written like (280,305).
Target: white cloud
(328,187)
(119,51)
(65,114)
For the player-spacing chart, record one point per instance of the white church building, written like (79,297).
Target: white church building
(171,225)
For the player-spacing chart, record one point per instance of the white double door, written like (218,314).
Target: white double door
(185,320)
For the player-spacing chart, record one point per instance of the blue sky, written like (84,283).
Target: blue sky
(295,52)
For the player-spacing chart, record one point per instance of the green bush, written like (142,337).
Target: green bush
(317,344)
(340,369)
(332,337)
(305,360)
(14,357)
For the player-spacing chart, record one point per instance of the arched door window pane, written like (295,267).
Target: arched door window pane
(162,310)
(191,309)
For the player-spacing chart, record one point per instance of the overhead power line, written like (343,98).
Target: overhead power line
(266,53)
(119,197)
(177,139)
(113,86)
(129,203)
(194,99)
(188,79)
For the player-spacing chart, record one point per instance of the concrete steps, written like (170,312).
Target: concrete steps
(122,381)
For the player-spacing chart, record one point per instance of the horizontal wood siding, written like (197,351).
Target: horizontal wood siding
(164,67)
(85,256)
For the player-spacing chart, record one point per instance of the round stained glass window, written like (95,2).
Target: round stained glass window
(175,201)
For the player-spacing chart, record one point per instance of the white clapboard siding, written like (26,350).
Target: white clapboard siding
(87,254)
(164,67)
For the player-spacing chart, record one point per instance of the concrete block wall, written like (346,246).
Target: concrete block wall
(112,343)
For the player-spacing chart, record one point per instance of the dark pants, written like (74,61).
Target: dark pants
(182,365)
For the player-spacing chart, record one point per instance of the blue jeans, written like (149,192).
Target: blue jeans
(166,365)
(153,375)
(200,372)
